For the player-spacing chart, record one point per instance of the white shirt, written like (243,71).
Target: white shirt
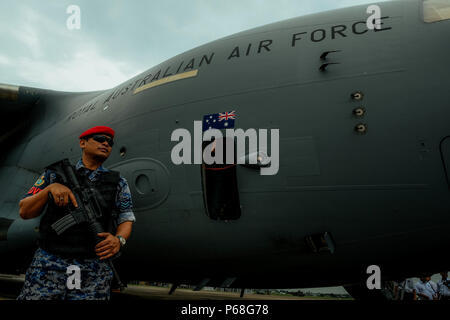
(443,289)
(421,287)
(408,285)
(432,287)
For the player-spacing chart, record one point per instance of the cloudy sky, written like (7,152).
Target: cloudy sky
(119,39)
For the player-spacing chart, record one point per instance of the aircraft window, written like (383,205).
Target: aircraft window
(436,10)
(220,189)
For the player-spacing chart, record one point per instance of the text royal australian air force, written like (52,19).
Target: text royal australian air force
(263,46)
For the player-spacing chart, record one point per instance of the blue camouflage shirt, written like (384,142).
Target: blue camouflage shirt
(123,195)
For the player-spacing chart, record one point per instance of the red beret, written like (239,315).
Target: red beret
(98,129)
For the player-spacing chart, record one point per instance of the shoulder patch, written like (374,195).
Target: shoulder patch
(39,182)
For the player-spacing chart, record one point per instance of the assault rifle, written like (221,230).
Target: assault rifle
(88,211)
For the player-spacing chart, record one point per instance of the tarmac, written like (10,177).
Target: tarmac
(10,286)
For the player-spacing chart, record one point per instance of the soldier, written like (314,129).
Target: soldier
(432,287)
(408,288)
(404,290)
(426,290)
(444,286)
(47,276)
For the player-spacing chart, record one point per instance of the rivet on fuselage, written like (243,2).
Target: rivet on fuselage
(359,112)
(358,95)
(361,128)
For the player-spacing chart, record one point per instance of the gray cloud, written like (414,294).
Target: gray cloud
(119,39)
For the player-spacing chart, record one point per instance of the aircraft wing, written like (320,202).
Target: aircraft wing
(15,104)
(20,106)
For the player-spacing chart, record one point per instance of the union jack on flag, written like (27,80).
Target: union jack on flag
(221,120)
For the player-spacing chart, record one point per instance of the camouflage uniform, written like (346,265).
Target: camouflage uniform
(46,278)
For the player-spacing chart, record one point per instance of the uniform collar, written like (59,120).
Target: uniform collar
(81,165)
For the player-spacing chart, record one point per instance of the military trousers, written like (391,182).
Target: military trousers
(50,277)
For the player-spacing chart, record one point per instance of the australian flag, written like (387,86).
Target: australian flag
(221,120)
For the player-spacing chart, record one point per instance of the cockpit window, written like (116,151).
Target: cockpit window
(436,10)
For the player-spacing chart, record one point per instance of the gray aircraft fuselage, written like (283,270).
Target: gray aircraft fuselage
(382,194)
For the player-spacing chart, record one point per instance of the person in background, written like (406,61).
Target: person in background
(423,291)
(432,287)
(405,290)
(443,286)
